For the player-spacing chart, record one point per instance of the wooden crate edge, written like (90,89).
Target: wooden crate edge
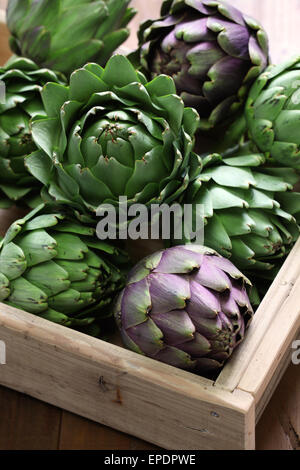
(273,383)
(269,357)
(279,292)
(94,350)
(133,393)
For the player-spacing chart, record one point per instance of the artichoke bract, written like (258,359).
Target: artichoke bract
(23,82)
(273,113)
(65,34)
(250,210)
(110,134)
(186,306)
(58,269)
(212,51)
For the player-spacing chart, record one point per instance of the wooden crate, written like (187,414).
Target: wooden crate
(158,403)
(155,402)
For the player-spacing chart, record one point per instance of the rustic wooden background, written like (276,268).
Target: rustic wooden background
(26,423)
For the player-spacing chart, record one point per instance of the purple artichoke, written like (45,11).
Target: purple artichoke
(212,50)
(186,306)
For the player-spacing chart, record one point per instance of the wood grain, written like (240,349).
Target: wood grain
(284,329)
(269,311)
(27,423)
(81,434)
(155,402)
(284,366)
(279,427)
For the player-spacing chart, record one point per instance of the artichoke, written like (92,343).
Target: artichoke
(57,269)
(110,134)
(212,51)
(273,113)
(23,82)
(186,306)
(65,34)
(250,210)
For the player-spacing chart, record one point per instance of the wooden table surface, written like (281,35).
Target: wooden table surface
(26,423)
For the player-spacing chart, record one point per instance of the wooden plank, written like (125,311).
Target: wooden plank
(27,423)
(273,384)
(284,328)
(264,317)
(279,427)
(63,367)
(81,434)
(288,36)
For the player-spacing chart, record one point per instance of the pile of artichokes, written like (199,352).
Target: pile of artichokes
(65,34)
(53,267)
(23,82)
(196,115)
(212,50)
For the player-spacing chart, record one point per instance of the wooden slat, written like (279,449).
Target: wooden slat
(284,328)
(281,45)
(81,434)
(273,384)
(26,423)
(63,367)
(264,317)
(279,427)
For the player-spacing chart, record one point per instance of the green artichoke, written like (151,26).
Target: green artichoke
(65,34)
(250,210)
(23,81)
(110,134)
(212,51)
(273,113)
(58,270)
(186,306)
